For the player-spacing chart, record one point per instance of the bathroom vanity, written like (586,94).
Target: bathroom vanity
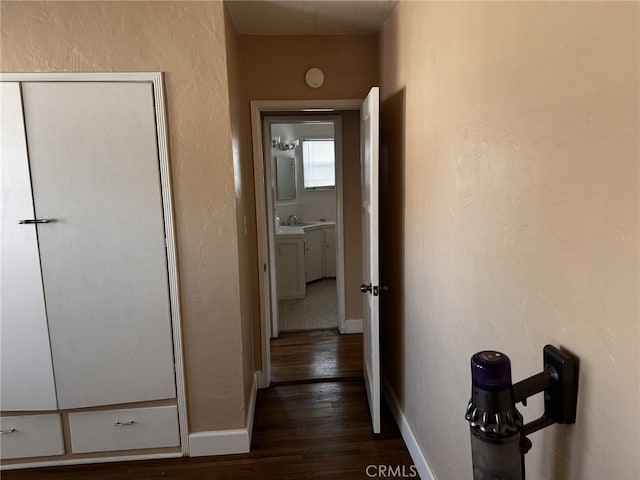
(304,253)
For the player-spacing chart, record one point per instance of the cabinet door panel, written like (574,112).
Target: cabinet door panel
(314,259)
(330,252)
(94,168)
(290,268)
(25,357)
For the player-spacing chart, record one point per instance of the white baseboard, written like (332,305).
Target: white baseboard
(353,326)
(261,376)
(419,460)
(252,406)
(89,460)
(226,442)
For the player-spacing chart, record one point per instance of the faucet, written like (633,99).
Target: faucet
(293,220)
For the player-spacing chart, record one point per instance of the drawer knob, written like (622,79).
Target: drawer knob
(119,424)
(7,432)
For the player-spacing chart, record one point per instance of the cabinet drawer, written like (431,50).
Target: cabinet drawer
(31,436)
(125,429)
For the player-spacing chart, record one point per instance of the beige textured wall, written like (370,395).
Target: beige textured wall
(185,40)
(512,132)
(350,64)
(274,66)
(240,137)
(351,199)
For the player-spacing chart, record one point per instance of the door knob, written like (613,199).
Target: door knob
(364,288)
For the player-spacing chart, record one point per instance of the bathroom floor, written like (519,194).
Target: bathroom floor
(317,310)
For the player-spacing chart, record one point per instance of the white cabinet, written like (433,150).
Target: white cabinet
(320,250)
(329,251)
(84,290)
(31,436)
(304,255)
(124,429)
(290,267)
(314,253)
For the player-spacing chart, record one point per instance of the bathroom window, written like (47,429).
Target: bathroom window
(319,163)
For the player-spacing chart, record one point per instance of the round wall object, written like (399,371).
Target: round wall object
(314,77)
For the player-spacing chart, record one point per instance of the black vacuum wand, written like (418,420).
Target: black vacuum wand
(498,433)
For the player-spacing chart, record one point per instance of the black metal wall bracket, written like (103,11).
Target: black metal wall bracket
(559,381)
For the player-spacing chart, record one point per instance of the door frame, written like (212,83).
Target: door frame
(157,81)
(266,259)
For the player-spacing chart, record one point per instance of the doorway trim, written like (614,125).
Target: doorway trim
(265,261)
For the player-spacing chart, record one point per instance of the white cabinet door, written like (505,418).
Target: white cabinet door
(329,252)
(94,168)
(290,268)
(314,254)
(25,358)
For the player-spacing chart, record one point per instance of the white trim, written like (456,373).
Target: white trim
(261,379)
(226,442)
(410,440)
(257,108)
(353,325)
(156,78)
(85,461)
(268,206)
(252,407)
(263,253)
(219,442)
(172,263)
(81,77)
(327,106)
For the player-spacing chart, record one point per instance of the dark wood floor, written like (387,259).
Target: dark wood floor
(318,430)
(314,356)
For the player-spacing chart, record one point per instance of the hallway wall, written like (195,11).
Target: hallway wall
(242,184)
(510,196)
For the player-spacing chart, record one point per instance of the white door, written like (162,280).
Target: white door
(25,356)
(369,119)
(94,169)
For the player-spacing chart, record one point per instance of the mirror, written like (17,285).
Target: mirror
(285,178)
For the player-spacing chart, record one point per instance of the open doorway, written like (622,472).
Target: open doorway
(363,220)
(345,117)
(305,167)
(304,156)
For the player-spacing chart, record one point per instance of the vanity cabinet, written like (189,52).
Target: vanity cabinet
(84,269)
(290,266)
(320,251)
(304,254)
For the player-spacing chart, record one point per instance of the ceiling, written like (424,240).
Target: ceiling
(309,17)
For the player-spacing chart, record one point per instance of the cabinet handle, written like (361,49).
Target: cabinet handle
(118,424)
(7,432)
(35,220)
